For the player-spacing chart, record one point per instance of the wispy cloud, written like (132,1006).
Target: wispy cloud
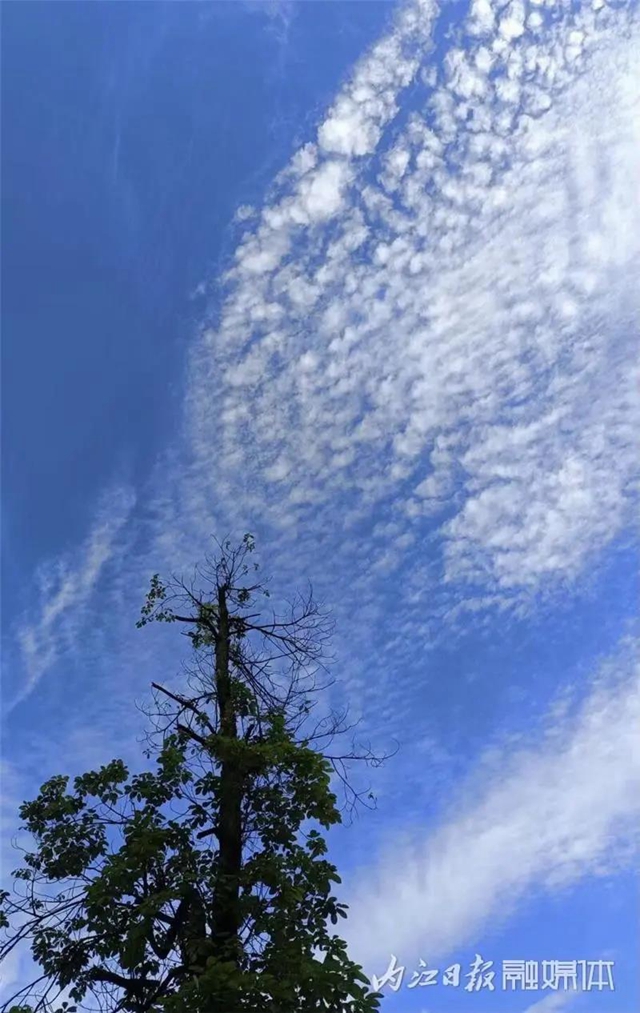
(553,1003)
(65,590)
(539,818)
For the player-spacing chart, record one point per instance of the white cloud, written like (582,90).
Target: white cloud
(363,109)
(512,24)
(540,817)
(552,1003)
(65,591)
(450,351)
(321,193)
(317,176)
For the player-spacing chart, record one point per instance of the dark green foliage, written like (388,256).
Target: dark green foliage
(201,885)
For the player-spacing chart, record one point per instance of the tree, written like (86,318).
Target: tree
(201,885)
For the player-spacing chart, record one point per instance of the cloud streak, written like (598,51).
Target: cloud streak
(552,1003)
(544,817)
(66,589)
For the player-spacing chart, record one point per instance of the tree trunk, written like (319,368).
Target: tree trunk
(226,913)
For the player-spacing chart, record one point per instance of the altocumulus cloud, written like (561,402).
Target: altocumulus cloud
(428,328)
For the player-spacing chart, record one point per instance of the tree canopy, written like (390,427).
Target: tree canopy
(202,884)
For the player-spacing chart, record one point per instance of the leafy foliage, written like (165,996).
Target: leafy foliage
(201,885)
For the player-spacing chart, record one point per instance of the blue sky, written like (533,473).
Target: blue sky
(360,278)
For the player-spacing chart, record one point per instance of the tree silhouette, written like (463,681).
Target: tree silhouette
(203,884)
